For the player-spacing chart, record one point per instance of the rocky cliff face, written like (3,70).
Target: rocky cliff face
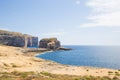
(49,43)
(32,41)
(17,39)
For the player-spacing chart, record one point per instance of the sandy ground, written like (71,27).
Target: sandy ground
(13,59)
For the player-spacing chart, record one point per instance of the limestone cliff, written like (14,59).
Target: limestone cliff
(17,39)
(49,43)
(32,41)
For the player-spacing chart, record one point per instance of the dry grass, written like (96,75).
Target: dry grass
(49,39)
(48,76)
(4,32)
(10,33)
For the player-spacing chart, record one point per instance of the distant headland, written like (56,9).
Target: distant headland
(17,39)
(24,40)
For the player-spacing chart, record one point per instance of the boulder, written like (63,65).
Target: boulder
(49,43)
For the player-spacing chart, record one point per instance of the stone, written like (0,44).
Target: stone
(49,43)
(17,39)
(63,48)
(32,41)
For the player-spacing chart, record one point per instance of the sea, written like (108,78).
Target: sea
(93,56)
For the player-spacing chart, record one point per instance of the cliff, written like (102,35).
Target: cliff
(49,43)
(32,41)
(17,39)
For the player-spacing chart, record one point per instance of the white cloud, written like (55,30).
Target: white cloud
(116,31)
(77,2)
(4,29)
(104,5)
(54,34)
(104,13)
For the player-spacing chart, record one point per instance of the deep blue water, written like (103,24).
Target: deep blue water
(95,56)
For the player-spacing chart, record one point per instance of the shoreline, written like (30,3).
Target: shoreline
(68,64)
(65,65)
(13,59)
(42,53)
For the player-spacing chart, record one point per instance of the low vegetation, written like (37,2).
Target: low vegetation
(15,75)
(114,73)
(5,64)
(13,65)
(110,72)
(87,70)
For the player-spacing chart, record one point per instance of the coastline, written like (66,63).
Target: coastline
(13,59)
(42,53)
(67,64)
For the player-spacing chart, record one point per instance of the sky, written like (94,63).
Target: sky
(73,22)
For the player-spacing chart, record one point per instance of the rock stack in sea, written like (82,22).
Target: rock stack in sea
(17,39)
(49,43)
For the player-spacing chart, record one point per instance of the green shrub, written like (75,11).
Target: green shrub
(46,73)
(5,64)
(110,72)
(24,74)
(6,77)
(115,78)
(13,65)
(117,74)
(105,78)
(76,79)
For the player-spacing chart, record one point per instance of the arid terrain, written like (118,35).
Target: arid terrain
(13,59)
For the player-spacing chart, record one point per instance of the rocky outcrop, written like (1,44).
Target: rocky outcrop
(49,43)
(32,41)
(24,40)
(17,39)
(63,48)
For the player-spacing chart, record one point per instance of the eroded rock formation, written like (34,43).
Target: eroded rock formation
(32,41)
(49,43)
(17,39)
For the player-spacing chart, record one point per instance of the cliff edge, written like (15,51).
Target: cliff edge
(17,39)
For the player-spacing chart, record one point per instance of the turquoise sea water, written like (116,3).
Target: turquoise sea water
(95,56)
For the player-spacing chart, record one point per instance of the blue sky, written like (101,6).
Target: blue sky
(73,22)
